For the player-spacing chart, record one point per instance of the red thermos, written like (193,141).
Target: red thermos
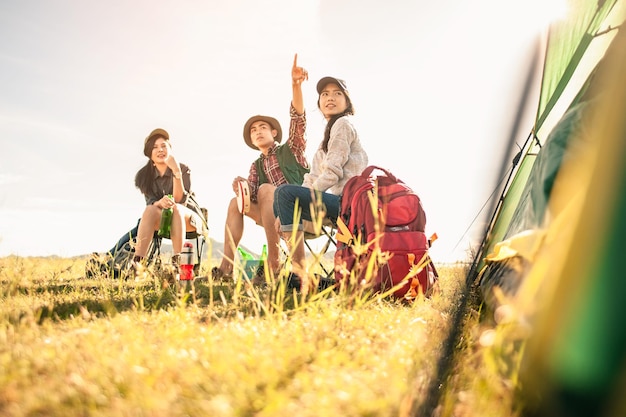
(186,262)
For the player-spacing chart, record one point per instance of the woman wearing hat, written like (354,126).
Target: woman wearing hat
(339,157)
(277,164)
(162,176)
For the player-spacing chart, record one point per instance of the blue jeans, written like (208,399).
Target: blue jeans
(285,198)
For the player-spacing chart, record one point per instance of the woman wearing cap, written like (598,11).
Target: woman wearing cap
(278,164)
(162,176)
(339,157)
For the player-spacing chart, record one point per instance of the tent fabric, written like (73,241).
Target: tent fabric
(530,212)
(567,44)
(576,357)
(566,70)
(555,248)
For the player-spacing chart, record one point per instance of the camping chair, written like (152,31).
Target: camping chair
(116,261)
(327,232)
(153,256)
(198,239)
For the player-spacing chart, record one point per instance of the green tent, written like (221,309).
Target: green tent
(573,49)
(552,250)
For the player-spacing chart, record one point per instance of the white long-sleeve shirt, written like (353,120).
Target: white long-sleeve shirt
(345,159)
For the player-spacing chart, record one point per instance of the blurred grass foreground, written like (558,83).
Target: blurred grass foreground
(71,346)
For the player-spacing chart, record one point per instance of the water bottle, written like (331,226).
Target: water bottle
(248,262)
(166,222)
(245,256)
(263,256)
(186,262)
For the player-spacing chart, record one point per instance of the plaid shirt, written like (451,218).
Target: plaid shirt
(297,144)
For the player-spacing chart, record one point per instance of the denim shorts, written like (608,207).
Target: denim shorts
(286,196)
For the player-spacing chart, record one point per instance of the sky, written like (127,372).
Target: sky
(435,87)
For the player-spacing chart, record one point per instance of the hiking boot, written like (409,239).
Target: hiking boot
(294,281)
(134,269)
(219,275)
(169,276)
(324,282)
(258,280)
(176,261)
(172,272)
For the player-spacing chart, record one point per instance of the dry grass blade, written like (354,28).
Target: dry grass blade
(75,347)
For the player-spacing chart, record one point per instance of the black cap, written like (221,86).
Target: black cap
(156,133)
(327,80)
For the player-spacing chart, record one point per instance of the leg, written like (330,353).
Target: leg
(233,231)
(286,198)
(330,204)
(312,205)
(178,230)
(148,224)
(266,203)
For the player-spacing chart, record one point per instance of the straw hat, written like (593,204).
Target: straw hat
(267,119)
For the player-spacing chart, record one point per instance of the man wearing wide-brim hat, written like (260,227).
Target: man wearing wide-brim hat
(279,163)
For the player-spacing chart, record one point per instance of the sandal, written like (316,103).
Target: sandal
(219,275)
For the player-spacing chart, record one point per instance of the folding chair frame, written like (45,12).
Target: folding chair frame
(153,255)
(328,231)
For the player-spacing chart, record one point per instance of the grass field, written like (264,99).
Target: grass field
(71,346)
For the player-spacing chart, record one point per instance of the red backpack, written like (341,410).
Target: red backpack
(382,216)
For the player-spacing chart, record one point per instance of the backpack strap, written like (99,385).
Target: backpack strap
(200,211)
(367,172)
(343,233)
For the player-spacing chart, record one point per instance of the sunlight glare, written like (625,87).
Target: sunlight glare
(546,12)
(538,15)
